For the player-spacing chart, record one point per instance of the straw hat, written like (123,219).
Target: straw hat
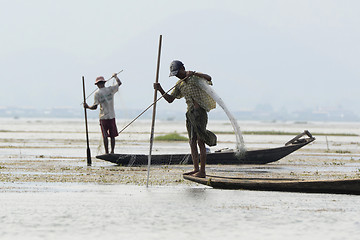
(99,79)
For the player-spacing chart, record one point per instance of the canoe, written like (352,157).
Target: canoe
(262,156)
(348,186)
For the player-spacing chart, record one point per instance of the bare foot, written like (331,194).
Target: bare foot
(200,174)
(191,173)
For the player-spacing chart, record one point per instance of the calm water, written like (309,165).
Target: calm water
(73,211)
(94,211)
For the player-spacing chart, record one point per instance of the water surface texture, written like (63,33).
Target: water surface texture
(71,211)
(48,192)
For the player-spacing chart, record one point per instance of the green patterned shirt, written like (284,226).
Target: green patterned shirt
(191,90)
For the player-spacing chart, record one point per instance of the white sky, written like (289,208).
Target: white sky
(292,54)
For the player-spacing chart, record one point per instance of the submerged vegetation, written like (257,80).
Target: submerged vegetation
(171,137)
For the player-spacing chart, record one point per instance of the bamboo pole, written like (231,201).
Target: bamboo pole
(154,113)
(152,104)
(88,153)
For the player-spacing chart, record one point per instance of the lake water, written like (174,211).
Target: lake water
(55,210)
(87,211)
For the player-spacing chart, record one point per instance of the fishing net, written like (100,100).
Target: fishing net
(240,145)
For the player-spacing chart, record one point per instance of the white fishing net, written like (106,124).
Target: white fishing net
(240,145)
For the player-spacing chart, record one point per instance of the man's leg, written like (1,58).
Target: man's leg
(194,156)
(106,145)
(112,144)
(202,148)
(193,147)
(104,135)
(113,132)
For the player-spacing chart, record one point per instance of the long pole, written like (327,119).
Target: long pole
(152,104)
(154,113)
(88,153)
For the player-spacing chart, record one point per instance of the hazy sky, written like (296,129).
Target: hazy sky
(289,54)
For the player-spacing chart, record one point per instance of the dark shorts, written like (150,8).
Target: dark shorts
(196,121)
(108,128)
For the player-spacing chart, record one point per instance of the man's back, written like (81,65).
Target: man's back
(105,98)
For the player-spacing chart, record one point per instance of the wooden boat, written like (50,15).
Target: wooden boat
(262,156)
(348,186)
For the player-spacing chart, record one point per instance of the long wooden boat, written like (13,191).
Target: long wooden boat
(348,186)
(262,156)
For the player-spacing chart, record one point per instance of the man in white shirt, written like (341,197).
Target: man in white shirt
(104,97)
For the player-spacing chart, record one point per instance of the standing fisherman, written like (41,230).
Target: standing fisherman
(105,97)
(198,104)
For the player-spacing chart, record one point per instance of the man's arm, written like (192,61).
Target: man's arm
(117,79)
(169,98)
(93,107)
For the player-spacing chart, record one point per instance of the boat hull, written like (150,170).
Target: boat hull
(348,186)
(262,156)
